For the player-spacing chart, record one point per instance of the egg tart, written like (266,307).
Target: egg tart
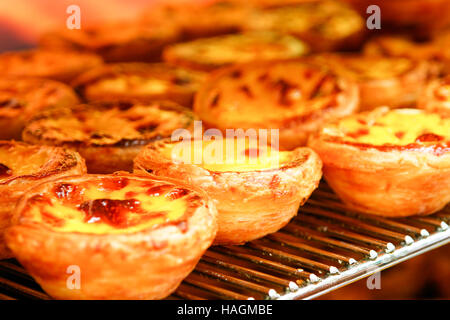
(129,237)
(60,65)
(116,41)
(324,25)
(388,162)
(24,166)
(108,135)
(196,20)
(256,188)
(295,97)
(436,97)
(21,98)
(211,53)
(382,81)
(140,81)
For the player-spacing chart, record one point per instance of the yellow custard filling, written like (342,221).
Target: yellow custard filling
(396,127)
(97,209)
(222,155)
(373,68)
(130,84)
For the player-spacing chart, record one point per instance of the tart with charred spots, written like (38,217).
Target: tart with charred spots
(323,25)
(392,81)
(127,236)
(211,53)
(386,162)
(116,41)
(295,97)
(21,98)
(256,188)
(56,64)
(436,97)
(24,166)
(140,81)
(107,134)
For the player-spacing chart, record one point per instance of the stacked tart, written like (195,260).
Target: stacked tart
(56,64)
(388,162)
(131,237)
(294,97)
(108,135)
(140,81)
(21,98)
(211,53)
(256,188)
(24,166)
(382,81)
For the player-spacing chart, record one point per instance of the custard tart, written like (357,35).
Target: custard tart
(295,97)
(116,41)
(108,135)
(382,81)
(324,25)
(436,97)
(388,162)
(140,81)
(60,65)
(24,166)
(21,98)
(195,20)
(255,188)
(127,236)
(211,53)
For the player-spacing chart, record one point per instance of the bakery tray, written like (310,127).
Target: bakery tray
(325,247)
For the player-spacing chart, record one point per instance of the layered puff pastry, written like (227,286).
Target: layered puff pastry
(140,81)
(393,81)
(24,166)
(57,64)
(21,98)
(436,97)
(116,41)
(388,162)
(107,134)
(194,20)
(211,53)
(324,25)
(125,236)
(256,188)
(295,97)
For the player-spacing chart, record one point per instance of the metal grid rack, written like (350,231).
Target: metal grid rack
(325,247)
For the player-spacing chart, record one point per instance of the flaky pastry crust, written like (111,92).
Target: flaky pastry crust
(436,97)
(129,259)
(21,98)
(139,81)
(251,204)
(398,178)
(295,97)
(57,64)
(24,166)
(107,134)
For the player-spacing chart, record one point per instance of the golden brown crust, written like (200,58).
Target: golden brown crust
(56,64)
(251,204)
(116,41)
(195,20)
(324,25)
(382,81)
(108,135)
(388,179)
(21,98)
(212,53)
(24,166)
(295,97)
(108,262)
(139,81)
(436,97)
